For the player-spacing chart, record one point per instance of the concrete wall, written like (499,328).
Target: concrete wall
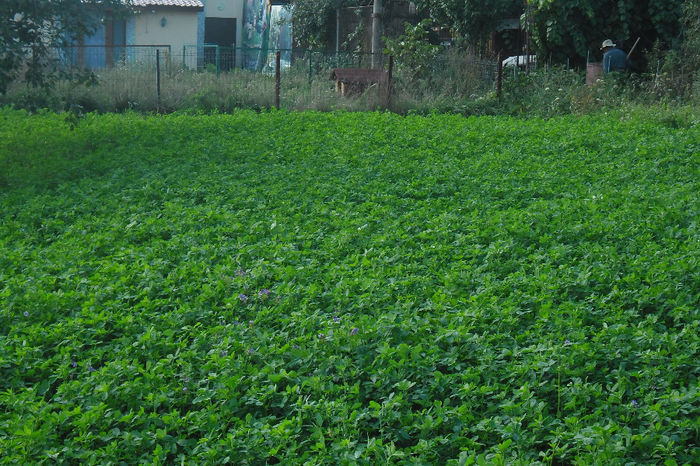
(180,29)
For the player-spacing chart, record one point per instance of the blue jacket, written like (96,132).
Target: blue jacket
(614,60)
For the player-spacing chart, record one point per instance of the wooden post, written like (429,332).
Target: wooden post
(499,75)
(277,80)
(310,66)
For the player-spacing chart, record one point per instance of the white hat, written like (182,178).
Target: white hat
(607,43)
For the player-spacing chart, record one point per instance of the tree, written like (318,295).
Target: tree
(412,51)
(691,37)
(564,29)
(30,29)
(315,20)
(471,20)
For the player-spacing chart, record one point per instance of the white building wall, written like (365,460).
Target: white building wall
(178,29)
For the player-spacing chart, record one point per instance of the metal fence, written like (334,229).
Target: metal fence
(216,58)
(210,58)
(99,57)
(157,77)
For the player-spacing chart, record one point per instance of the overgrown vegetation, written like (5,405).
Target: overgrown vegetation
(451,81)
(576,28)
(30,29)
(349,288)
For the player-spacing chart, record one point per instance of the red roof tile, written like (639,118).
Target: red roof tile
(170,3)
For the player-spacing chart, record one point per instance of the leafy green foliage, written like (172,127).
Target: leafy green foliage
(679,68)
(314,20)
(413,52)
(349,288)
(571,28)
(471,20)
(30,28)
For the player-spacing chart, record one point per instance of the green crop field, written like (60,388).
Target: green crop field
(349,288)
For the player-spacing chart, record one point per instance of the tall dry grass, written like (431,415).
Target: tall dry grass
(457,82)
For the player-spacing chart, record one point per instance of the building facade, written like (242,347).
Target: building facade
(193,33)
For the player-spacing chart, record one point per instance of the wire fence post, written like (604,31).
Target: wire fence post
(157,80)
(277,80)
(218,62)
(310,69)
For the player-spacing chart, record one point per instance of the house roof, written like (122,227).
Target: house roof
(169,3)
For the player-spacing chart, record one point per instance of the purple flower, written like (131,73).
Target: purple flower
(243,297)
(354,331)
(236,324)
(296,346)
(91,369)
(240,272)
(634,403)
(73,364)
(321,336)
(567,342)
(336,319)
(224,353)
(187,379)
(264,293)
(251,351)
(184,389)
(26,313)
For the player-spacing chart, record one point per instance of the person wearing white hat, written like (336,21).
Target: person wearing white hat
(614,59)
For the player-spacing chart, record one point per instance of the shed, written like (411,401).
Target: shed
(355,80)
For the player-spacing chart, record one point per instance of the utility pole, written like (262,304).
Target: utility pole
(527,38)
(337,32)
(376,34)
